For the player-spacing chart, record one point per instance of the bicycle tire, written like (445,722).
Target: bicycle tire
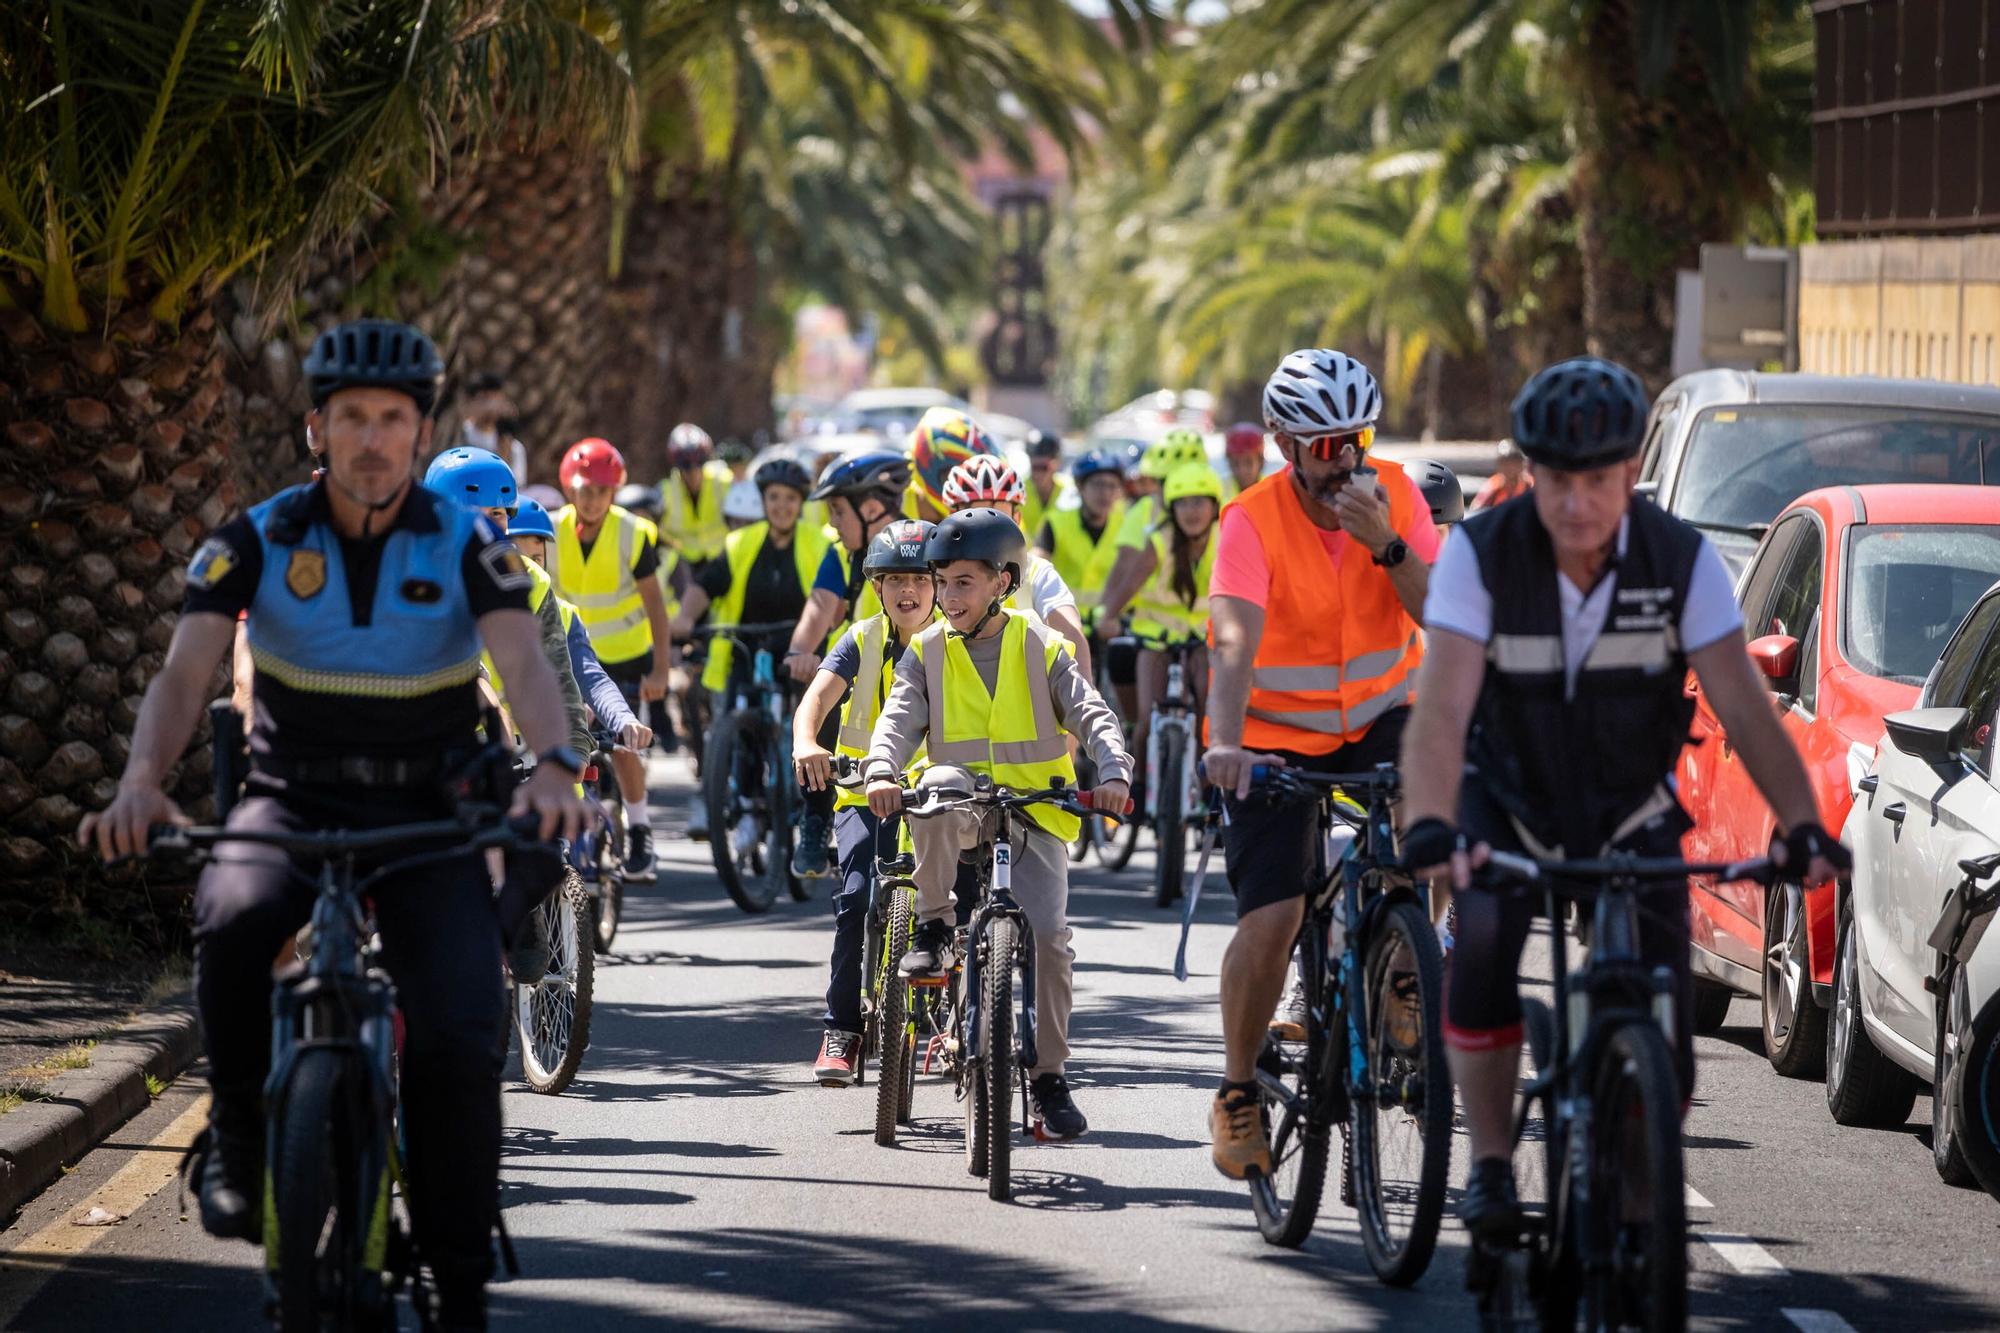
(608,907)
(1400,1211)
(748,884)
(1286,1202)
(1169,825)
(312,1201)
(1002,1068)
(552,1017)
(972,1084)
(1636,1103)
(892,1024)
(1115,851)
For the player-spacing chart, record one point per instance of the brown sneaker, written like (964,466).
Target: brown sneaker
(1237,1126)
(1289,1023)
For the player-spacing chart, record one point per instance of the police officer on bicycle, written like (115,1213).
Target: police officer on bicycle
(368,600)
(1561,627)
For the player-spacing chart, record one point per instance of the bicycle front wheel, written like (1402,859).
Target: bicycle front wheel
(609,904)
(1638,1210)
(737,824)
(1001,1066)
(1169,826)
(896,1042)
(315,1238)
(553,1015)
(1402,1111)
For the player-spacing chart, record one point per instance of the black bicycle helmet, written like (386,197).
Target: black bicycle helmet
(1044,444)
(899,549)
(1440,487)
(985,535)
(884,473)
(1580,414)
(783,472)
(374,354)
(1093,462)
(645,501)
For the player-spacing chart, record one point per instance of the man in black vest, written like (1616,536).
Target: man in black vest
(1562,626)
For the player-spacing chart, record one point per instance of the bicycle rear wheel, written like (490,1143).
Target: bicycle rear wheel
(896,1041)
(1001,1067)
(1170,824)
(1295,1091)
(553,1015)
(737,829)
(1638,1209)
(609,905)
(318,1237)
(1402,1115)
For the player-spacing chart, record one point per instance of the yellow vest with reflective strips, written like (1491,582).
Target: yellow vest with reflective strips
(865,603)
(1085,564)
(1035,510)
(740,550)
(1012,734)
(695,526)
(602,586)
(1165,615)
(865,700)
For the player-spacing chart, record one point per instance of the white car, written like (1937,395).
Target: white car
(1916,983)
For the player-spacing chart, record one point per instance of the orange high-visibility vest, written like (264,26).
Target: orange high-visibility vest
(1338,652)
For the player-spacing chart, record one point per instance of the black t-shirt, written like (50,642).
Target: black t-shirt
(644,565)
(286,722)
(771,595)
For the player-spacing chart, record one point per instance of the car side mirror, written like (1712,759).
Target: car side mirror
(1934,734)
(1776,657)
(1647,489)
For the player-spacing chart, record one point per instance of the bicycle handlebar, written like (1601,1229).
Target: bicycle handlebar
(730,631)
(1634,869)
(483,824)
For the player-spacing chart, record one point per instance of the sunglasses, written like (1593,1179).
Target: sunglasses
(1345,447)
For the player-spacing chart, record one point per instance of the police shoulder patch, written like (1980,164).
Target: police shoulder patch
(504,563)
(211,563)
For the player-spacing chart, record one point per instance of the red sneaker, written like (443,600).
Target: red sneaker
(839,1052)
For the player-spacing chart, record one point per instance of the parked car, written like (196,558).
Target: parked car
(1846,601)
(890,411)
(1916,989)
(1727,449)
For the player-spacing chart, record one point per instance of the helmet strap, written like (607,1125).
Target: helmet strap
(371,507)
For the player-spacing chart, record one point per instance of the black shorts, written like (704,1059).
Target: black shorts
(1121,661)
(1269,845)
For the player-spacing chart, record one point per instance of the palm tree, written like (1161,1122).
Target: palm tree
(147,155)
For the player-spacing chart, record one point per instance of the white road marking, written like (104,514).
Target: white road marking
(1818,1321)
(1694,1199)
(1744,1255)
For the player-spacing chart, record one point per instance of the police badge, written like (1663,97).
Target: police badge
(305,575)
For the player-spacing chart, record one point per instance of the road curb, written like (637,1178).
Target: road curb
(84,1106)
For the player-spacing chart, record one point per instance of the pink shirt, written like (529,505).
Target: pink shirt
(1242,571)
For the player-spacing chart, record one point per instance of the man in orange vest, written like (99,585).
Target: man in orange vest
(1319,582)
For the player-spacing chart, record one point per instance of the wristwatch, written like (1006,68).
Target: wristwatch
(562,757)
(1395,553)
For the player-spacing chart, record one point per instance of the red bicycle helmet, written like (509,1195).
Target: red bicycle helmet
(982,479)
(1243,438)
(595,461)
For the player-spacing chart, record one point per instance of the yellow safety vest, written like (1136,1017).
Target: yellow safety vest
(602,587)
(865,603)
(1011,735)
(740,550)
(864,702)
(539,588)
(1085,563)
(694,525)
(1164,615)
(1035,511)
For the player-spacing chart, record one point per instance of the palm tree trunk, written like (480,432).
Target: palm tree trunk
(118,462)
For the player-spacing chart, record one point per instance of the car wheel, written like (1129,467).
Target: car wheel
(1711,1004)
(1954,1031)
(1862,1086)
(1794,1024)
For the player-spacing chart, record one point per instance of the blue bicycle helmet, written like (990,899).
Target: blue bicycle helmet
(1580,414)
(531,520)
(374,354)
(473,477)
(1093,462)
(879,472)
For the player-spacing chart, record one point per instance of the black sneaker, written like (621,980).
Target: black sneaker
(809,858)
(528,960)
(1490,1209)
(232,1174)
(640,867)
(930,950)
(1056,1115)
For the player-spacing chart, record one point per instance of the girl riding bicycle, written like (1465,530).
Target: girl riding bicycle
(861,665)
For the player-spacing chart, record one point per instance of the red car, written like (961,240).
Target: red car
(1847,602)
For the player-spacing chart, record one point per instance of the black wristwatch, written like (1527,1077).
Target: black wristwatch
(562,757)
(1395,553)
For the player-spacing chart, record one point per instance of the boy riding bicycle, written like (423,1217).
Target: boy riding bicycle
(861,664)
(993,693)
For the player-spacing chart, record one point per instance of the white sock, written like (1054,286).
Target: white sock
(635,814)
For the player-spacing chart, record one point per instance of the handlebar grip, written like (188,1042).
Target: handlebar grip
(1514,866)
(167,838)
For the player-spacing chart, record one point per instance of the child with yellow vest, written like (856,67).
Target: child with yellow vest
(995,692)
(861,664)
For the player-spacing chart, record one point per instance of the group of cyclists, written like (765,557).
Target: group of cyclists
(951,621)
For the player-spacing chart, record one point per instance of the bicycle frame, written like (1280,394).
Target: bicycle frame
(1174,710)
(996,899)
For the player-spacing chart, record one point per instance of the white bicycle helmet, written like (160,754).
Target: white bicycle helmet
(1317,391)
(983,479)
(743,502)
(688,442)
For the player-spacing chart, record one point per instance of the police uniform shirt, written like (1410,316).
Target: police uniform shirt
(224,577)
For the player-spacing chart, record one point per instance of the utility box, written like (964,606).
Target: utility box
(1749,306)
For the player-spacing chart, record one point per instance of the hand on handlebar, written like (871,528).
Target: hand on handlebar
(813,766)
(120,830)
(1112,798)
(635,735)
(550,794)
(801,666)
(885,797)
(1228,767)
(1813,845)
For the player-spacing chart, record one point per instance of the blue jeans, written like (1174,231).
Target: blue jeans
(854,829)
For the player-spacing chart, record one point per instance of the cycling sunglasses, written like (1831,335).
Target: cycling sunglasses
(1348,445)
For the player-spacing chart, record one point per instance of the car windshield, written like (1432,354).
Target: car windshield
(1907,589)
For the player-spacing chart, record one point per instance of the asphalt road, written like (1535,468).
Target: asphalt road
(696,1176)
